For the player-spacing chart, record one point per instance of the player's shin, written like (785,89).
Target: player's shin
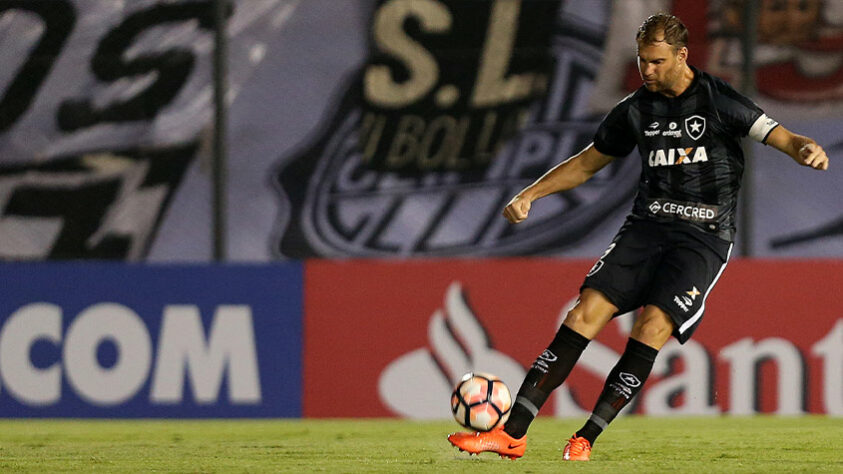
(623,383)
(549,370)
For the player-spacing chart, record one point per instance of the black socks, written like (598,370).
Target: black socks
(549,370)
(622,384)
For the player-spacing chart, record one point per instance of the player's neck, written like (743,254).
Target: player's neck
(681,85)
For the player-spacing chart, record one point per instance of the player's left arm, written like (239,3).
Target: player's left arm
(802,149)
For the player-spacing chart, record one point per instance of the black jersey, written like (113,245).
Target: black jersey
(692,161)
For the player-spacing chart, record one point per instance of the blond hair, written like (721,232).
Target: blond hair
(663,27)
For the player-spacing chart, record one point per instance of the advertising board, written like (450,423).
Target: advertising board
(396,336)
(110,340)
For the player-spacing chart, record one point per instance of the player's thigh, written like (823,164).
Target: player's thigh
(624,271)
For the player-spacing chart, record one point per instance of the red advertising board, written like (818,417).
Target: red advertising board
(390,338)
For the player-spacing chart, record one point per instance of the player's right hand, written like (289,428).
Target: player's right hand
(814,156)
(517,209)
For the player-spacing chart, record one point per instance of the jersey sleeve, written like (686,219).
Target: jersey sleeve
(742,115)
(614,136)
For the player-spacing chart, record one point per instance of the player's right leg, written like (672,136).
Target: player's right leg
(551,368)
(495,441)
(588,317)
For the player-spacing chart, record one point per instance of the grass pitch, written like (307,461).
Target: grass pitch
(632,444)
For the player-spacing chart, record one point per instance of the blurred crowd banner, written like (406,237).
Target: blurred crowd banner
(374,128)
(439,320)
(111,340)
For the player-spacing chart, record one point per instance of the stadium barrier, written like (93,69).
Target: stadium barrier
(399,335)
(115,340)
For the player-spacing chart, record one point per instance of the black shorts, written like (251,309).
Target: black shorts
(671,265)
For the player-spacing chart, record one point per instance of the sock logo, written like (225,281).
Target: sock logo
(629,379)
(548,355)
(542,362)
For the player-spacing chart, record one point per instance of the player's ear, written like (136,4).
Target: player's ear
(682,54)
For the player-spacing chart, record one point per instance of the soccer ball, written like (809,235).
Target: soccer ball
(481,401)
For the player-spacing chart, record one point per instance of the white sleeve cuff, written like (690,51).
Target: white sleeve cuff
(761,128)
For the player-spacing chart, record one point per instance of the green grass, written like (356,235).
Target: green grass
(632,444)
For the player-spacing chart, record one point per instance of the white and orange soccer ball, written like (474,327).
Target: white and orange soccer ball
(481,401)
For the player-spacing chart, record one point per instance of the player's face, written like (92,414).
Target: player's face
(661,65)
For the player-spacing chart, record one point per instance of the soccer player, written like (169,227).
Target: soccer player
(673,246)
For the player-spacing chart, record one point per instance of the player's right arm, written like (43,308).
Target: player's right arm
(566,175)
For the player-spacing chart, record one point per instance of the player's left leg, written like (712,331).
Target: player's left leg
(651,331)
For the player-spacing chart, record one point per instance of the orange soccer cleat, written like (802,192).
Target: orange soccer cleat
(577,449)
(496,441)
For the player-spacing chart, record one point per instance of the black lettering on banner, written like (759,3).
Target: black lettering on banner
(79,196)
(59,18)
(172,67)
(81,210)
(449,81)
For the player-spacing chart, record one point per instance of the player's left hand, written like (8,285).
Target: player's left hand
(814,156)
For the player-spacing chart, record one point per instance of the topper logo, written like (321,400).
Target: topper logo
(418,383)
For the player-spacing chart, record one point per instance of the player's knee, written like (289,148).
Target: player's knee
(653,331)
(576,317)
(587,323)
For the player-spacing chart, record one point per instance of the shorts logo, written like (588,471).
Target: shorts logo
(599,263)
(681,304)
(685,302)
(695,126)
(693,293)
(629,379)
